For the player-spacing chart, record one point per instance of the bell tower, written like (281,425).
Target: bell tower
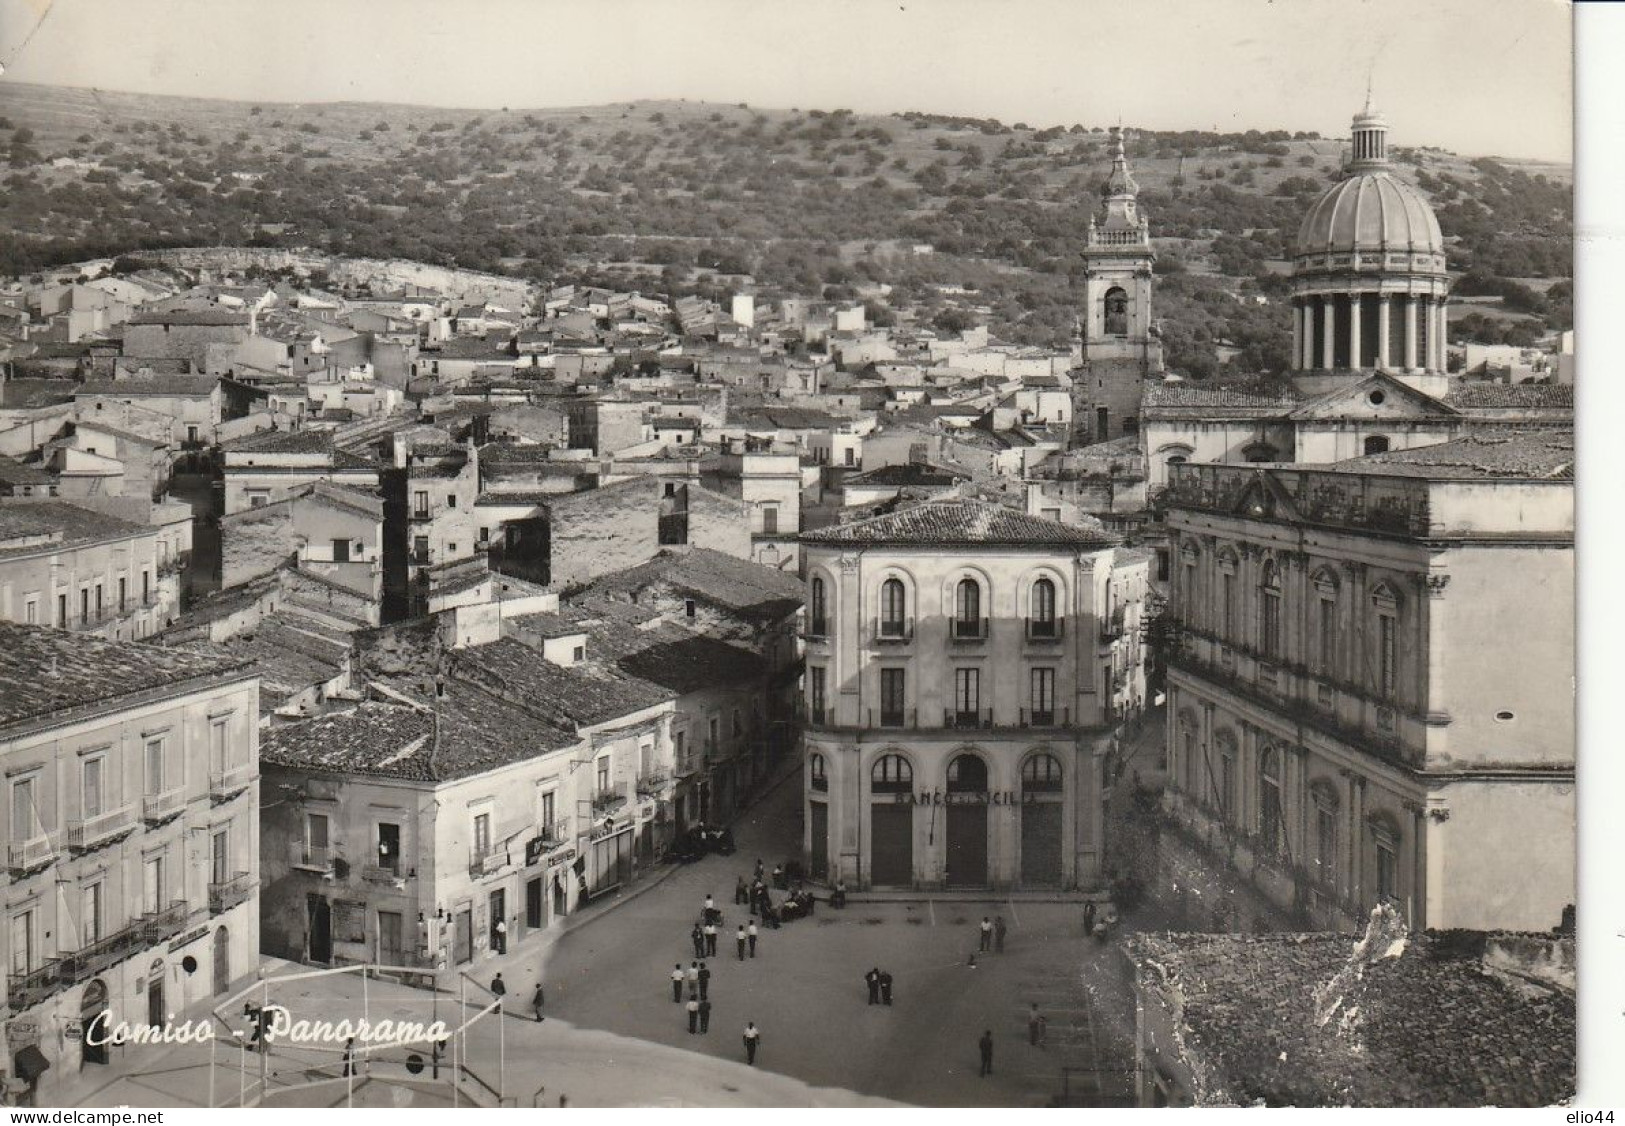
(1120,345)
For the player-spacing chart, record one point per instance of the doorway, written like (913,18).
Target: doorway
(891,844)
(818,857)
(390,929)
(1041,844)
(462,949)
(155,994)
(561,904)
(320,919)
(222,960)
(1102,424)
(498,923)
(967,822)
(533,905)
(94,1020)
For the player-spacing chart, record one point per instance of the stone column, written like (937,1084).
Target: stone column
(1410,333)
(1356,316)
(1299,324)
(1328,326)
(1438,335)
(1384,313)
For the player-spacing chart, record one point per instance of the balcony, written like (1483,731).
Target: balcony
(311,858)
(29,989)
(227,894)
(380,874)
(486,859)
(892,631)
(894,717)
(971,718)
(817,631)
(162,925)
(968,629)
(1045,629)
(175,564)
(227,784)
(158,808)
(27,856)
(610,799)
(817,717)
(1112,628)
(420,558)
(653,781)
(87,962)
(104,828)
(555,832)
(1036,717)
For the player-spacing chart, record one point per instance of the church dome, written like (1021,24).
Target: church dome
(1371,219)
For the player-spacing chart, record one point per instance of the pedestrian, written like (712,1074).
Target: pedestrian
(499,937)
(986,1045)
(872,980)
(778,877)
(710,940)
(1034,1024)
(499,988)
(698,938)
(753,1040)
(838,899)
(759,869)
(581,892)
(693,1014)
(1089,918)
(987,934)
(739,940)
(705,981)
(349,1057)
(710,905)
(677,984)
(694,979)
(741,893)
(998,934)
(536,1001)
(750,934)
(885,987)
(705,1015)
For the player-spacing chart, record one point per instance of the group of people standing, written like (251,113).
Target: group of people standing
(696,979)
(879,983)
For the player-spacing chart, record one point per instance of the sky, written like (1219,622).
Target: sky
(1480,77)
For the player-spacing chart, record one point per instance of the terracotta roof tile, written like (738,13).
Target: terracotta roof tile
(962,522)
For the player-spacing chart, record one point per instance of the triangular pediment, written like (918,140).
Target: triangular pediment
(1377,396)
(1265,498)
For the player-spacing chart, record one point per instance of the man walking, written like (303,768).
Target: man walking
(885,987)
(705,1016)
(710,940)
(694,1014)
(741,893)
(500,988)
(1035,1027)
(753,1040)
(705,981)
(872,980)
(1089,918)
(697,936)
(537,999)
(750,934)
(694,980)
(739,941)
(987,934)
(986,1044)
(998,934)
(677,984)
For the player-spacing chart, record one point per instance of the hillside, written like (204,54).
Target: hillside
(801,200)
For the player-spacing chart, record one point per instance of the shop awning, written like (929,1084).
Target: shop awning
(31,1063)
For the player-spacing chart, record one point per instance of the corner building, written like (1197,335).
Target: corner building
(966,668)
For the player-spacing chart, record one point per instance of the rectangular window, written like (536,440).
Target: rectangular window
(146,586)
(549,810)
(967,695)
(1227,587)
(420,549)
(123,592)
(770,519)
(23,954)
(31,612)
(84,604)
(1227,786)
(94,799)
(220,857)
(420,505)
(341,550)
(62,610)
(679,742)
(1387,870)
(25,822)
(816,689)
(1043,697)
(1270,627)
(1328,634)
(389,847)
(451,500)
(711,734)
(603,773)
(153,886)
(91,915)
(217,746)
(100,608)
(155,767)
(482,834)
(315,838)
(1388,656)
(891,697)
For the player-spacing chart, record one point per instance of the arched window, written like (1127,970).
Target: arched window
(1269,611)
(1324,796)
(1259,452)
(818,610)
(968,609)
(1041,774)
(1269,800)
(967,774)
(891,775)
(1177,459)
(1376,444)
(1116,302)
(893,609)
(816,778)
(1041,623)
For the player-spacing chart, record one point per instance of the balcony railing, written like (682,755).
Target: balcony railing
(482,861)
(25,856)
(28,989)
(163,924)
(969,718)
(420,558)
(311,858)
(88,961)
(228,783)
(379,873)
(158,808)
(1037,717)
(894,717)
(968,629)
(892,630)
(652,781)
(556,831)
(817,630)
(605,800)
(1112,628)
(91,832)
(225,895)
(817,716)
(1045,629)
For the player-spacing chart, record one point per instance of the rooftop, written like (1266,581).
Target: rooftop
(220,317)
(738,585)
(45,672)
(914,473)
(1521,454)
(1477,395)
(962,522)
(22,524)
(182,385)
